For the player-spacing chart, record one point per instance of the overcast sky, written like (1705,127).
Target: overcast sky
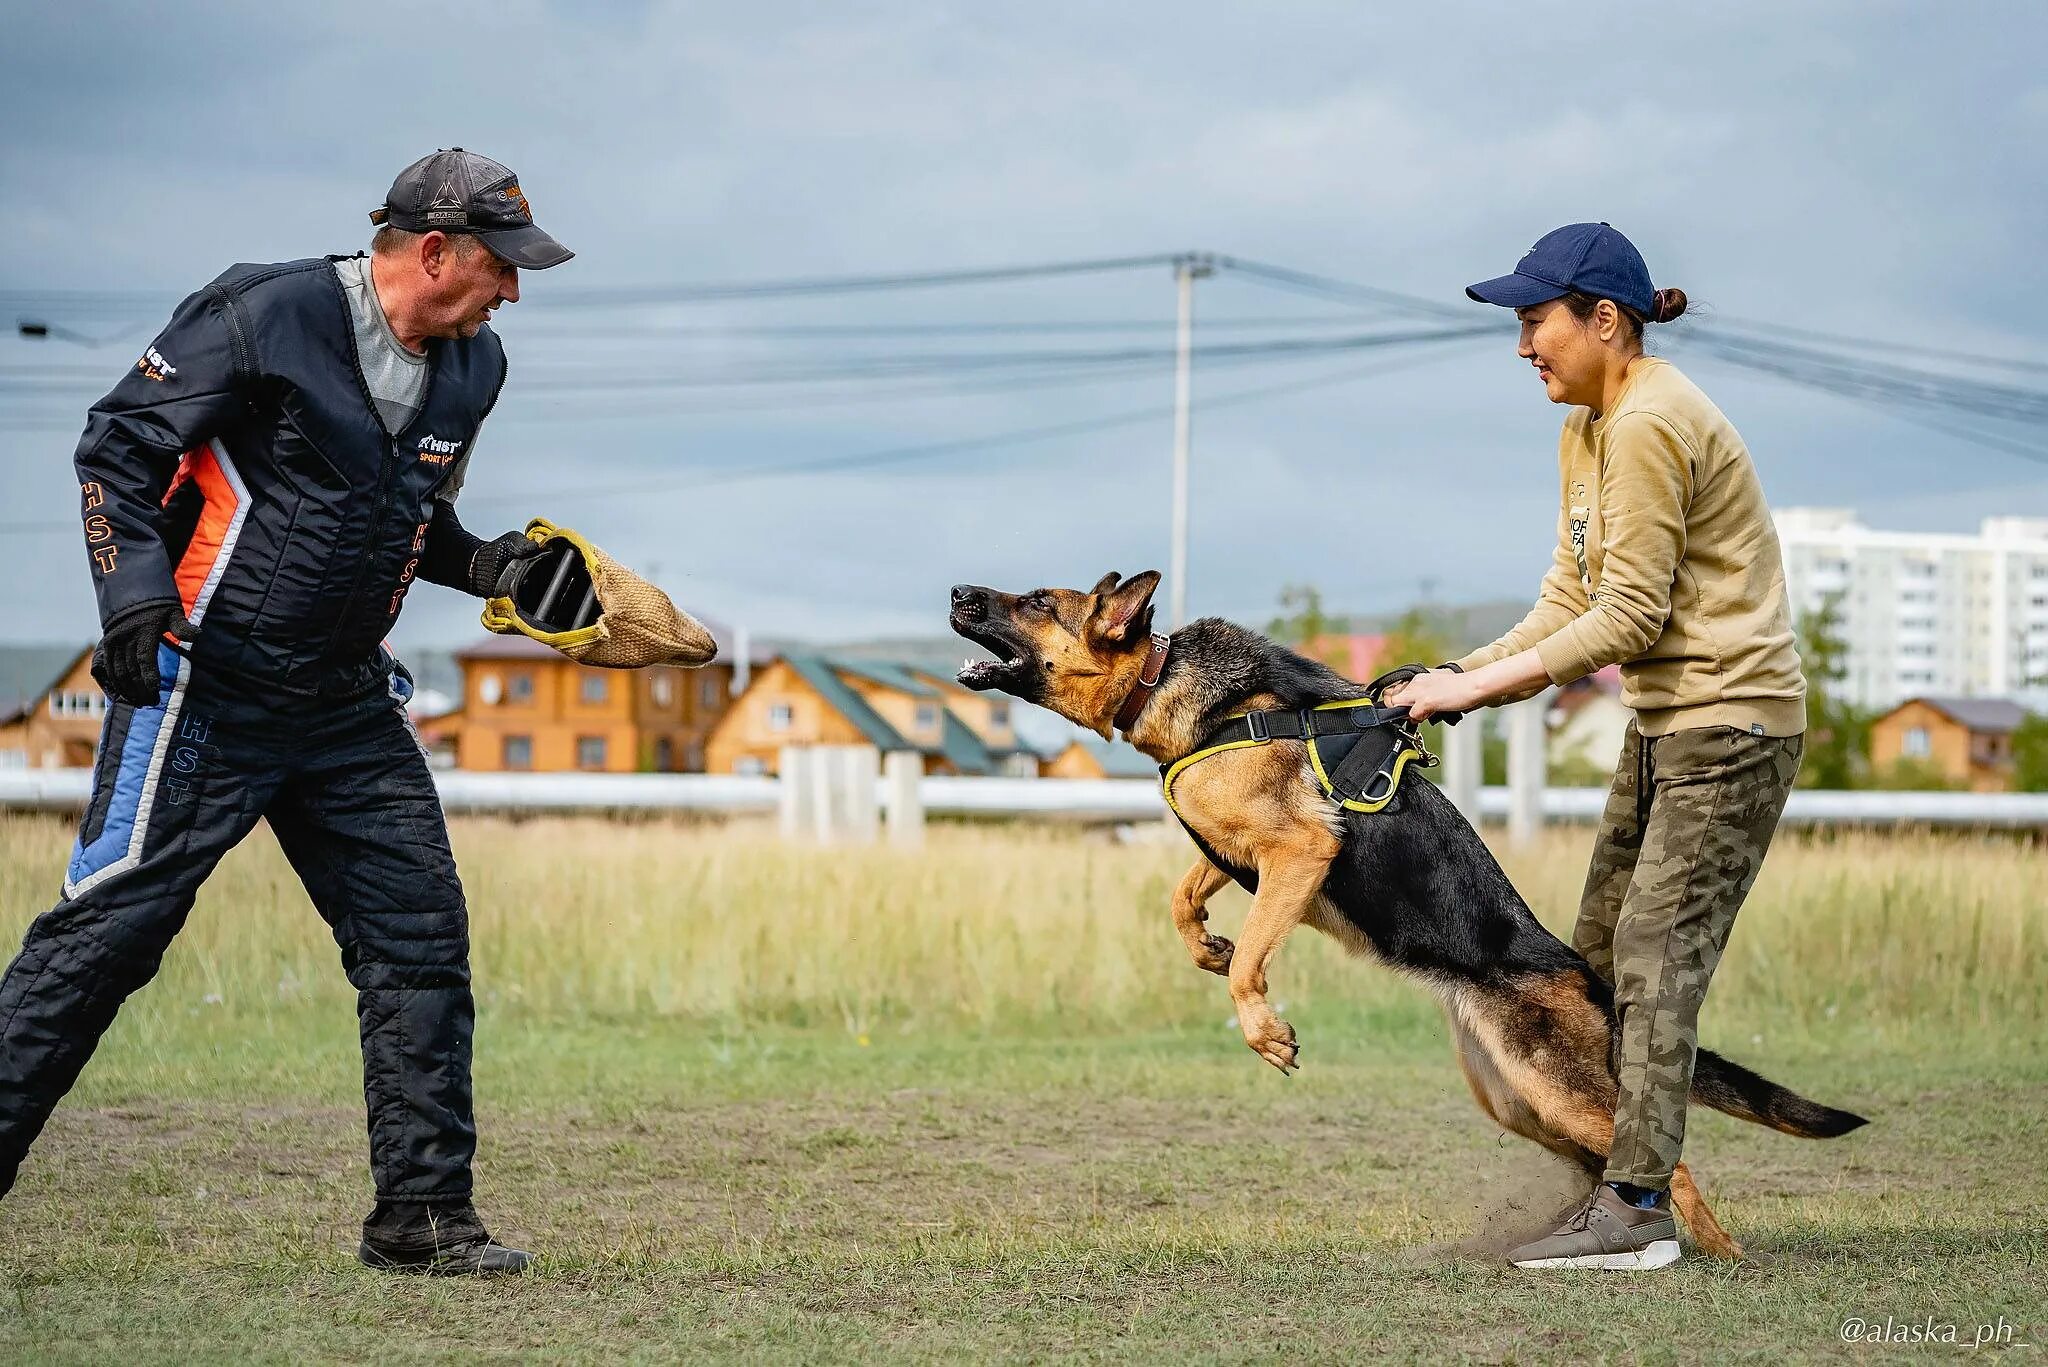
(1867,168)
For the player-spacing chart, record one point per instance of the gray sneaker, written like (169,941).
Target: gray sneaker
(1609,1234)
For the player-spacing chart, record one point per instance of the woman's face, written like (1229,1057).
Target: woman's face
(1570,356)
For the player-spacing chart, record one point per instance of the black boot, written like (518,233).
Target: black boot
(435,1239)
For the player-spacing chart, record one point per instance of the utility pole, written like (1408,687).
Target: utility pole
(1187,268)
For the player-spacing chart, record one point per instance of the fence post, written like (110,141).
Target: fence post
(793,795)
(903,768)
(860,773)
(1527,764)
(1464,747)
(824,783)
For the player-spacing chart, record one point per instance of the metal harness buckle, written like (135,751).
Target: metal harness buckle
(1387,774)
(1424,756)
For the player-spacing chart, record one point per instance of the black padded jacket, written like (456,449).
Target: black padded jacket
(241,472)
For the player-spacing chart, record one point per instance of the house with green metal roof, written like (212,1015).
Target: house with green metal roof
(815,698)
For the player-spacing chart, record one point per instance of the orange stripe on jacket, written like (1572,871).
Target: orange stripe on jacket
(216,515)
(178,479)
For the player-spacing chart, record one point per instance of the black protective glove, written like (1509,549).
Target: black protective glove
(490,564)
(125,660)
(455,558)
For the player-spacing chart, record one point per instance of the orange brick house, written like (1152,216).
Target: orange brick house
(524,706)
(57,727)
(1968,741)
(807,699)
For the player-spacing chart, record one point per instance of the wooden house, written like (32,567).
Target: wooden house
(57,725)
(814,699)
(527,707)
(1968,741)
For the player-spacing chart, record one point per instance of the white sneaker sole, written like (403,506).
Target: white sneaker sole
(1658,1253)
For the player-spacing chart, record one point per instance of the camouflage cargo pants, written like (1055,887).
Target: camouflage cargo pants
(1683,835)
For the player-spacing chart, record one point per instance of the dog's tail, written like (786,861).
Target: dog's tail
(1734,1090)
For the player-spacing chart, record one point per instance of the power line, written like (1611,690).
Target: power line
(1330,287)
(1895,388)
(637,296)
(850,391)
(1880,382)
(37,373)
(891,455)
(861,391)
(1952,424)
(626,331)
(1317,285)
(1722,321)
(894,455)
(561,403)
(958,362)
(871,366)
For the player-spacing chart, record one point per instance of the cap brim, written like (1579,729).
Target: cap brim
(526,247)
(1515,291)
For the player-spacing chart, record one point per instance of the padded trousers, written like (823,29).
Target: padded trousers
(346,790)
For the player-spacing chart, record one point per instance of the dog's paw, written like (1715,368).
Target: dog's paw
(1271,1038)
(1213,955)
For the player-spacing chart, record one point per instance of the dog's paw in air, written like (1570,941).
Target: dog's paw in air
(1271,1038)
(1214,955)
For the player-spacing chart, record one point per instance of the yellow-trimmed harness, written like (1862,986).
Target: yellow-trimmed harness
(1360,776)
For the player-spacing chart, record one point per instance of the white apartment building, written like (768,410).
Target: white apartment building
(1927,613)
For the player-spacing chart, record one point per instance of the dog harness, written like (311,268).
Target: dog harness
(1357,749)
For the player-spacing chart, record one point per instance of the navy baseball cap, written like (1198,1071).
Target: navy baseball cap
(455,191)
(1587,258)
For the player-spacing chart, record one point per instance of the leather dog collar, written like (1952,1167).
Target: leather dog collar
(1148,679)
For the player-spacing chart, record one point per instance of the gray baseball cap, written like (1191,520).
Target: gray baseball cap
(455,191)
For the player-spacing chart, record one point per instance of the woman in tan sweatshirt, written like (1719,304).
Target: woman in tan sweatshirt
(1668,565)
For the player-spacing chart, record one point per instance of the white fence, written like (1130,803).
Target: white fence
(850,792)
(66,790)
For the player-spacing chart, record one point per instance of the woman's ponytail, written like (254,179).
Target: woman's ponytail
(1669,306)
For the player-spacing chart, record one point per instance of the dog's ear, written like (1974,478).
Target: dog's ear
(1126,613)
(1104,584)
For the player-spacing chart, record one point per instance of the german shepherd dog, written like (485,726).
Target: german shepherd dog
(1412,885)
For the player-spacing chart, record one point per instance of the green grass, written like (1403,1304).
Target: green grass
(771,1105)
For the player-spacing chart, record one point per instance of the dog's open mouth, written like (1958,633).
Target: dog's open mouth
(983,675)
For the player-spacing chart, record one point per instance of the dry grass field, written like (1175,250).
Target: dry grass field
(782,1104)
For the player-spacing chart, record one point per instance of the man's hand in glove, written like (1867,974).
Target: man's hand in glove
(125,661)
(489,565)
(455,558)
